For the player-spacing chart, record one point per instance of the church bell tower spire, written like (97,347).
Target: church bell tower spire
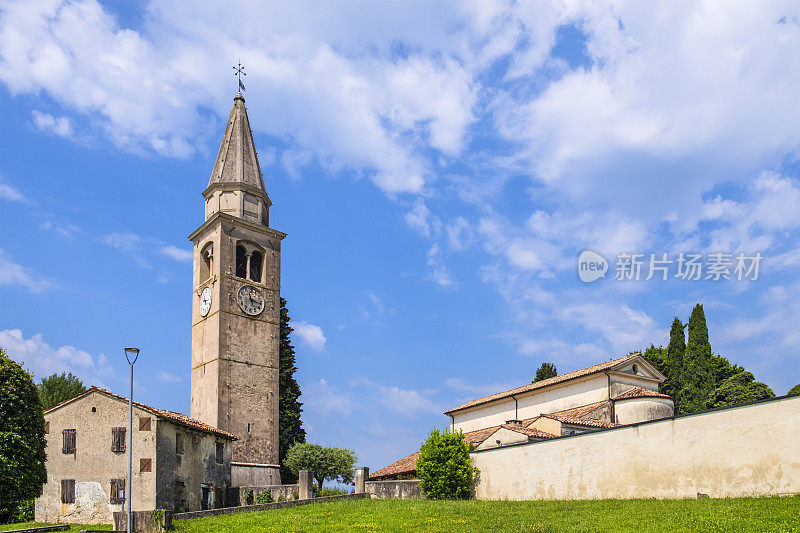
(236,307)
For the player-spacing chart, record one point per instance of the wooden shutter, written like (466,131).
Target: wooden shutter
(117,487)
(67,491)
(144,423)
(68,441)
(145,465)
(118,439)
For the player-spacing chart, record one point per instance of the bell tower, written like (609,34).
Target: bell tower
(236,308)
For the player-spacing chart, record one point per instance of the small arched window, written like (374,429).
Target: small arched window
(256,259)
(205,263)
(635,369)
(241,262)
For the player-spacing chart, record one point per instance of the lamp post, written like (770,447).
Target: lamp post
(130,353)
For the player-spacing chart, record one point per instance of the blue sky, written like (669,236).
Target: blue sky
(438,167)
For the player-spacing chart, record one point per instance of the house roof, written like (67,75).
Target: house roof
(406,465)
(639,392)
(577,421)
(594,369)
(172,416)
(531,432)
(583,410)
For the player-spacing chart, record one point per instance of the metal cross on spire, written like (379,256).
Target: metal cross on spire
(239,73)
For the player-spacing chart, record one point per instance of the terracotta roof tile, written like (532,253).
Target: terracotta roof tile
(546,382)
(178,418)
(639,392)
(405,466)
(577,421)
(583,410)
(531,432)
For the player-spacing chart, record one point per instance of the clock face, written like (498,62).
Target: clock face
(205,301)
(250,300)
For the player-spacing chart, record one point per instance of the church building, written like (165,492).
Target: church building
(606,395)
(189,463)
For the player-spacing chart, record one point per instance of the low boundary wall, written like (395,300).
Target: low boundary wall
(404,489)
(748,450)
(238,495)
(264,507)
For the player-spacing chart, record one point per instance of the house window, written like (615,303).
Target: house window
(117,491)
(144,423)
(145,465)
(220,453)
(68,441)
(635,369)
(67,491)
(256,259)
(179,443)
(118,439)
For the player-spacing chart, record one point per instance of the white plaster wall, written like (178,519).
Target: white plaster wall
(742,451)
(635,410)
(574,393)
(485,416)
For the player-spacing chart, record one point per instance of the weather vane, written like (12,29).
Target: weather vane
(239,73)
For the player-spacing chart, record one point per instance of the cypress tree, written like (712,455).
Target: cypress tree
(673,363)
(290,427)
(546,371)
(698,379)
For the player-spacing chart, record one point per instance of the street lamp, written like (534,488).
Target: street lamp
(130,353)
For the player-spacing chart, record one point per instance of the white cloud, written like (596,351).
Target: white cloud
(123,241)
(7,192)
(178,254)
(437,270)
(311,335)
(421,220)
(166,377)
(48,123)
(43,359)
(14,274)
(334,87)
(321,398)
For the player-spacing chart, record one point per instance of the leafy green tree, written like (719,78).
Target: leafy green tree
(697,379)
(674,360)
(741,387)
(58,388)
(444,466)
(22,444)
(654,355)
(290,427)
(333,464)
(794,391)
(547,370)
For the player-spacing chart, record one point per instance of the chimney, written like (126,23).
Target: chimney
(514,422)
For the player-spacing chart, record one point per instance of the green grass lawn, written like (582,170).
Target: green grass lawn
(739,514)
(73,527)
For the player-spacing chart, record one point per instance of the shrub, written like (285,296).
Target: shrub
(265,497)
(332,491)
(444,466)
(281,498)
(248,497)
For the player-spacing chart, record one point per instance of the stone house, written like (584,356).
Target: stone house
(606,395)
(178,463)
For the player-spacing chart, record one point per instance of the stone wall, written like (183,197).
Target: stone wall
(403,489)
(94,464)
(238,495)
(264,507)
(749,450)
